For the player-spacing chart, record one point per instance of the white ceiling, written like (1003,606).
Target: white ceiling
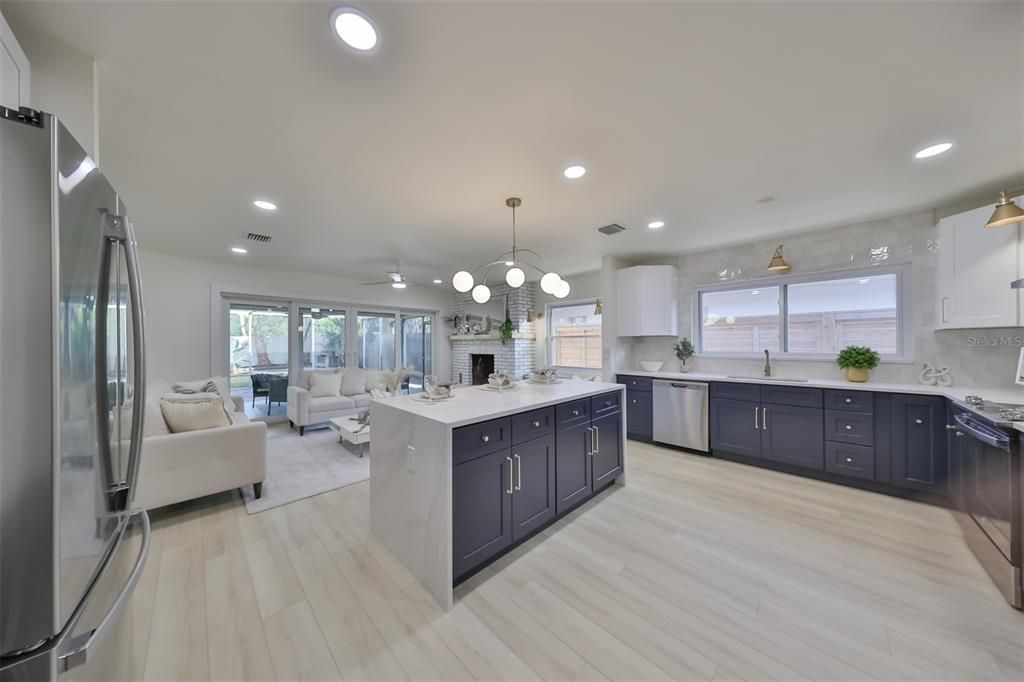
(686,111)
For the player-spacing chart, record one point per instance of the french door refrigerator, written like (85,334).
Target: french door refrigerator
(71,411)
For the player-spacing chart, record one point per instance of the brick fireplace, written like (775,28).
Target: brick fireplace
(517,357)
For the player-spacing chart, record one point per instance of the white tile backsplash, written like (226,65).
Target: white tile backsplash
(984,357)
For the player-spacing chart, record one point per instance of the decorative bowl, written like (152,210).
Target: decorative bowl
(501,380)
(650,365)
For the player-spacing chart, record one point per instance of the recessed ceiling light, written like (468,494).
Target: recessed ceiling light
(354,29)
(398,285)
(438,281)
(574,172)
(656,224)
(755,292)
(238,249)
(265,205)
(934,150)
(863,281)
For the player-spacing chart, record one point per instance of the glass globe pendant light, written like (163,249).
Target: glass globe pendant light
(550,282)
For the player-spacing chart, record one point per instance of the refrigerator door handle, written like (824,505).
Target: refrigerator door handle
(78,652)
(138,360)
(113,492)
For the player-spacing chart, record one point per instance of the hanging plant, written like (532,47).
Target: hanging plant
(506,329)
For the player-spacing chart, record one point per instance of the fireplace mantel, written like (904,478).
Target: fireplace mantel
(490,337)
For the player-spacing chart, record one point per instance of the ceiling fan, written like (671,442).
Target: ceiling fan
(396,279)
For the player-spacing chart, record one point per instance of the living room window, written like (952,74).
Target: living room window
(574,335)
(323,338)
(808,316)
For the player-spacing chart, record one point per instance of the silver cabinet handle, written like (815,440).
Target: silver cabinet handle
(959,434)
(756,427)
(536,424)
(919,421)
(509,460)
(764,418)
(849,460)
(485,438)
(849,428)
(950,427)
(597,440)
(519,472)
(848,401)
(575,413)
(78,652)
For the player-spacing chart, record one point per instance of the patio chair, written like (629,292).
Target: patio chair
(260,386)
(278,391)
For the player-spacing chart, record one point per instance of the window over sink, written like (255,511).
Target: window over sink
(808,316)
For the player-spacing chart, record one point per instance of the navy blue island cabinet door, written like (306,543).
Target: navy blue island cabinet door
(573,466)
(533,499)
(919,448)
(481,510)
(735,427)
(607,457)
(793,435)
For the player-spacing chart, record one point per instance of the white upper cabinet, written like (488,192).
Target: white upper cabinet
(14,70)
(974,269)
(648,301)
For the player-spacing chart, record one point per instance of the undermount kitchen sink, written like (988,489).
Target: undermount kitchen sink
(764,378)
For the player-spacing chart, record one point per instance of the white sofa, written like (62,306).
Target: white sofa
(304,410)
(182,466)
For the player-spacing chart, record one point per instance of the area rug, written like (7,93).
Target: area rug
(303,466)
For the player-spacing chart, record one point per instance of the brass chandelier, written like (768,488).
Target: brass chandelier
(550,282)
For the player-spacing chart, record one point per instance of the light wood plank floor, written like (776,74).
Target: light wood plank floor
(699,569)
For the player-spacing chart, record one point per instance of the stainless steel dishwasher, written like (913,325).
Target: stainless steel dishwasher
(681,414)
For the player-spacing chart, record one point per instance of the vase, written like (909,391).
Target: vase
(856,374)
(684,366)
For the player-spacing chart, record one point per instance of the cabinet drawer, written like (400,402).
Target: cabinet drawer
(636,383)
(606,403)
(791,395)
(470,442)
(570,414)
(731,391)
(533,424)
(850,460)
(851,401)
(857,428)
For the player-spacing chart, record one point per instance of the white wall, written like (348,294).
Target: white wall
(64,83)
(178,294)
(902,239)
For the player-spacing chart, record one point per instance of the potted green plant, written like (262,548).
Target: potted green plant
(684,351)
(857,361)
(506,330)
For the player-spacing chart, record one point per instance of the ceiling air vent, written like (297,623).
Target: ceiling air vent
(609,230)
(262,238)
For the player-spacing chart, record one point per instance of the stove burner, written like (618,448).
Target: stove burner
(1012,414)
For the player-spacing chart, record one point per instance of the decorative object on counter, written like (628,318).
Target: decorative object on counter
(651,365)
(436,390)
(930,376)
(547,375)
(550,282)
(684,350)
(1006,213)
(500,381)
(856,362)
(778,264)
(533,315)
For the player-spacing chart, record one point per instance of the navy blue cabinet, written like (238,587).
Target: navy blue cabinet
(919,455)
(573,466)
(607,450)
(793,435)
(481,510)
(640,415)
(735,427)
(533,486)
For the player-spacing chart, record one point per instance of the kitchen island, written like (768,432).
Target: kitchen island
(457,483)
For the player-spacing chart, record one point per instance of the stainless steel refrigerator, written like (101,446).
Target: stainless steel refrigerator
(71,411)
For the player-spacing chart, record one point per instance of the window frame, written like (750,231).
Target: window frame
(549,338)
(904,311)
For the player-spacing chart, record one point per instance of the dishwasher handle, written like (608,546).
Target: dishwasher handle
(680,384)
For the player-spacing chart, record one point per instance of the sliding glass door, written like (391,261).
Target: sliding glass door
(417,348)
(323,338)
(258,348)
(375,340)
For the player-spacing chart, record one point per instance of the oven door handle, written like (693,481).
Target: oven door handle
(980,432)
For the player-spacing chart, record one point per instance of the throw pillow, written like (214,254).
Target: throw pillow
(354,381)
(324,385)
(218,385)
(193,412)
(307,377)
(377,381)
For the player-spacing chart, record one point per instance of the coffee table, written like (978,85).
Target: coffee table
(350,430)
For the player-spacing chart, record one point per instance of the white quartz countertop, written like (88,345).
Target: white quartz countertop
(993,394)
(473,404)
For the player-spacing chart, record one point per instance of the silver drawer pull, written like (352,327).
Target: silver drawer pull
(607,403)
(634,401)
(848,401)
(485,438)
(849,428)
(849,460)
(575,413)
(919,421)
(536,424)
